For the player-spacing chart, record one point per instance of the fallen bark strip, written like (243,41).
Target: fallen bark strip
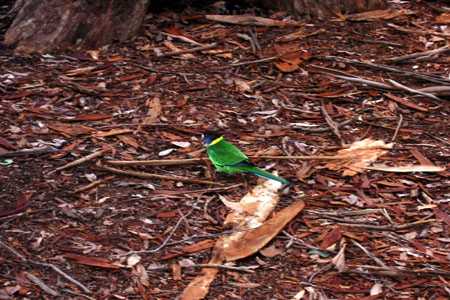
(155,176)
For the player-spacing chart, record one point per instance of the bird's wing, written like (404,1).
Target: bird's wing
(224,153)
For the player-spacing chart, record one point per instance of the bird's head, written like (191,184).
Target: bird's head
(209,137)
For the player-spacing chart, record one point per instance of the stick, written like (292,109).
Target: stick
(192,50)
(55,268)
(363,81)
(79,161)
(194,161)
(26,152)
(427,77)
(257,61)
(399,125)
(419,54)
(92,184)
(369,254)
(155,176)
(41,284)
(156,162)
(408,89)
(164,243)
(333,125)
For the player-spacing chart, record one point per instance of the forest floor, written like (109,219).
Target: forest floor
(127,102)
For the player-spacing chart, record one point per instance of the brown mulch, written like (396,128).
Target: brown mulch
(130,103)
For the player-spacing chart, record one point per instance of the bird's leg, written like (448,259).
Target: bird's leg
(210,173)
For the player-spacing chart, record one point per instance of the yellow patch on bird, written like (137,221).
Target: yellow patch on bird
(216,141)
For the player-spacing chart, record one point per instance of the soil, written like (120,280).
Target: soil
(133,104)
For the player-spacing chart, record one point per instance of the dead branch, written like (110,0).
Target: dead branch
(79,161)
(424,54)
(411,90)
(196,49)
(155,176)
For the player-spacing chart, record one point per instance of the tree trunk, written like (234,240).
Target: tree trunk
(48,25)
(325,8)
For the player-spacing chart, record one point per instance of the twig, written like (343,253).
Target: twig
(363,81)
(79,161)
(92,184)
(192,50)
(250,20)
(405,102)
(53,267)
(155,176)
(396,271)
(419,54)
(414,91)
(63,274)
(377,42)
(164,243)
(156,162)
(303,243)
(369,254)
(426,77)
(333,125)
(194,161)
(26,152)
(399,28)
(41,284)
(257,61)
(248,269)
(397,129)
(388,227)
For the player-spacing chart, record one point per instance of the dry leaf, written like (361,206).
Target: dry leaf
(133,260)
(154,111)
(92,261)
(290,57)
(358,156)
(141,273)
(271,251)
(443,19)
(112,132)
(376,289)
(339,260)
(200,246)
(375,15)
(71,129)
(129,140)
(331,238)
(176,272)
(243,244)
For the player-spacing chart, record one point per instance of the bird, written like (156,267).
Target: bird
(227,158)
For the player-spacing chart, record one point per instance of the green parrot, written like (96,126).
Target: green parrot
(227,158)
